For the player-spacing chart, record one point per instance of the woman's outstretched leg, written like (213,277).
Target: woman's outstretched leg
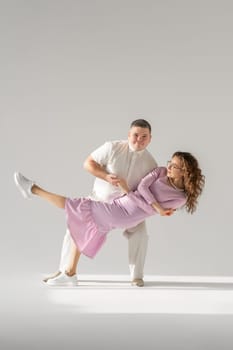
(55,199)
(27,188)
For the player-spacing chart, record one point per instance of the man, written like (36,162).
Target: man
(128,159)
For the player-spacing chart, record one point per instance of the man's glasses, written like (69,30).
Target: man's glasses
(173,165)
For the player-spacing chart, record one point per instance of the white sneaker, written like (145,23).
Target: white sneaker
(63,280)
(24,185)
(53,275)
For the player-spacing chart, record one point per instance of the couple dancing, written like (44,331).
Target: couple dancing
(129,187)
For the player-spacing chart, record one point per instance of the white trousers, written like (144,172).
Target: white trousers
(137,248)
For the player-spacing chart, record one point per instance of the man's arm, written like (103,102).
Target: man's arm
(97,170)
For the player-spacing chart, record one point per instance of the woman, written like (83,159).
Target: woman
(161,191)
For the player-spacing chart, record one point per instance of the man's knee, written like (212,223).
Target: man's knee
(139,230)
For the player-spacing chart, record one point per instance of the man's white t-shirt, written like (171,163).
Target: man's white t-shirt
(117,158)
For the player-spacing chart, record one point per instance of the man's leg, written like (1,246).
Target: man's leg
(137,249)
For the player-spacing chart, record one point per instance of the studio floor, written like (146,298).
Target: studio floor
(106,312)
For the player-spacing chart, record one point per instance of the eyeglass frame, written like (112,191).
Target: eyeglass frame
(173,165)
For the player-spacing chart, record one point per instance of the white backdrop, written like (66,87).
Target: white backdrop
(75,74)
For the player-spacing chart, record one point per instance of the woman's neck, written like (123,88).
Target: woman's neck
(176,183)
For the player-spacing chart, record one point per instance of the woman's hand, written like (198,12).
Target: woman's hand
(161,210)
(169,211)
(165,212)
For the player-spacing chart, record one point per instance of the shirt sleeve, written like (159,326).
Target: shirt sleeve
(146,182)
(101,154)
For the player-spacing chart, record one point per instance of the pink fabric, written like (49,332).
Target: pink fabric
(89,221)
(82,228)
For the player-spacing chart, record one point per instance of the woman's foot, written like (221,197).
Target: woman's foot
(63,279)
(55,274)
(24,185)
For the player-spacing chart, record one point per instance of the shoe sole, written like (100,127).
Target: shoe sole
(62,284)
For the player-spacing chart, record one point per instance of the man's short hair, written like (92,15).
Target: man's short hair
(142,123)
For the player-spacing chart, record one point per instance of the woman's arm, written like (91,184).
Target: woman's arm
(123,185)
(156,206)
(143,186)
(145,192)
(146,182)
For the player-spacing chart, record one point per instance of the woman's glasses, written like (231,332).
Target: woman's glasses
(173,165)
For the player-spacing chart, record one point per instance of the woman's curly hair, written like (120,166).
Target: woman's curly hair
(193,178)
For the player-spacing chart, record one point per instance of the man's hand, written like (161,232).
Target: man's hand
(113,179)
